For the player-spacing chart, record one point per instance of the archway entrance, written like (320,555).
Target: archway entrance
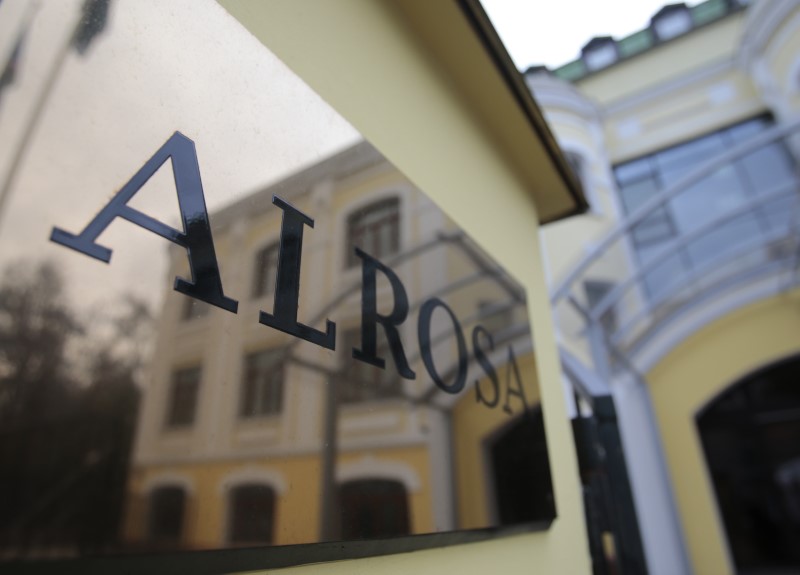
(751,439)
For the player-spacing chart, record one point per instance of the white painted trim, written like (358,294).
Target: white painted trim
(552,92)
(769,20)
(699,318)
(792,78)
(369,467)
(168,479)
(763,19)
(253,475)
(369,422)
(248,453)
(664,89)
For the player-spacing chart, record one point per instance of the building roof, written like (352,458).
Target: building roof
(647,39)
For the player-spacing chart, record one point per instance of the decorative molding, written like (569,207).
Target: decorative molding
(761,22)
(666,88)
(168,479)
(251,474)
(369,467)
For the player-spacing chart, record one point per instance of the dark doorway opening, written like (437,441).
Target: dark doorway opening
(521,471)
(751,438)
(373,508)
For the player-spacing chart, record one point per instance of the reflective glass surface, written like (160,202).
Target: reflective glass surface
(226,320)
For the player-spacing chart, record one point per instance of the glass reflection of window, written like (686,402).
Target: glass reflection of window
(495,316)
(166,513)
(372,508)
(520,470)
(193,309)
(266,270)
(252,515)
(759,172)
(183,397)
(364,382)
(262,384)
(375,229)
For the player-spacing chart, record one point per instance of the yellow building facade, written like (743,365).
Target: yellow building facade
(663,289)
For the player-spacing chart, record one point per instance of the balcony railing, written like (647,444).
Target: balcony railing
(618,302)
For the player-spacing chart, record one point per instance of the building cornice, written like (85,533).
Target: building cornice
(665,88)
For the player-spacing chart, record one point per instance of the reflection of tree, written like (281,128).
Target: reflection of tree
(66,426)
(35,327)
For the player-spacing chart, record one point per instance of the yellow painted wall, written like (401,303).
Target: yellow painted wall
(691,52)
(297,510)
(358,55)
(684,113)
(683,382)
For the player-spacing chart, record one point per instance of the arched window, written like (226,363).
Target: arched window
(375,229)
(372,508)
(751,439)
(361,381)
(166,515)
(262,384)
(252,514)
(266,270)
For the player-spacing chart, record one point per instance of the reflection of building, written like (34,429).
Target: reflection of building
(249,436)
(676,294)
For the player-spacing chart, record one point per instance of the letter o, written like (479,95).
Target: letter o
(424,335)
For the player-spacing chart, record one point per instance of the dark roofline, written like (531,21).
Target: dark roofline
(515,82)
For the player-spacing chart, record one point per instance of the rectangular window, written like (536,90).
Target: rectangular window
(266,270)
(193,309)
(726,188)
(361,381)
(262,385)
(375,229)
(183,397)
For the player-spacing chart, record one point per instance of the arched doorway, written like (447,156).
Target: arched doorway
(751,439)
(166,516)
(373,508)
(251,515)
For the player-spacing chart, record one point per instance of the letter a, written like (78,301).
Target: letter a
(206,284)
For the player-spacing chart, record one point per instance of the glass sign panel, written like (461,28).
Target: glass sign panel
(226,320)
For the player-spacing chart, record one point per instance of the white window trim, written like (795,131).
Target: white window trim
(369,467)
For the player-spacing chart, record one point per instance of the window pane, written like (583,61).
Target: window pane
(252,515)
(361,381)
(723,239)
(373,508)
(183,400)
(638,193)
(166,515)
(655,228)
(265,273)
(710,197)
(634,170)
(375,229)
(262,384)
(664,276)
(677,161)
(768,168)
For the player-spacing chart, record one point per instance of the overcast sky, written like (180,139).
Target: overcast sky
(552,32)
